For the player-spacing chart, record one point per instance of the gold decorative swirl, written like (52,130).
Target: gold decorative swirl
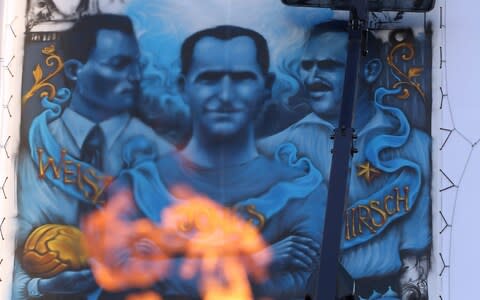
(43,83)
(255,214)
(407,79)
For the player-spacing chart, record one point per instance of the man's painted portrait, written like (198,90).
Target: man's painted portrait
(182,150)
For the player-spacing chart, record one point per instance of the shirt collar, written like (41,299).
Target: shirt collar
(113,127)
(312,118)
(77,125)
(80,127)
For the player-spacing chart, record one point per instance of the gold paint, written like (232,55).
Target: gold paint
(347,226)
(364,219)
(43,83)
(50,163)
(375,206)
(407,79)
(367,171)
(91,182)
(354,234)
(79,178)
(73,174)
(105,182)
(385,205)
(402,199)
(415,72)
(68,172)
(405,92)
(374,215)
(257,215)
(53,248)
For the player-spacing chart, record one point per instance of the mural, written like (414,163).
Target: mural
(182,151)
(43,14)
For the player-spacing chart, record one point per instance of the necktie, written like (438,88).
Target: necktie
(92,148)
(91,153)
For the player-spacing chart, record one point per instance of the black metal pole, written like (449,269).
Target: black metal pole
(341,159)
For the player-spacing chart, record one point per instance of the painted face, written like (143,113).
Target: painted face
(110,77)
(225,86)
(322,71)
(67,8)
(41,10)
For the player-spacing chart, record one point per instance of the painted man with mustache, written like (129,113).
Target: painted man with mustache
(391,155)
(82,132)
(225,80)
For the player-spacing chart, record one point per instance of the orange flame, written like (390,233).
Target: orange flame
(213,242)
(144,296)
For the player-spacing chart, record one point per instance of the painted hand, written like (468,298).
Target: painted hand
(413,278)
(68,282)
(292,253)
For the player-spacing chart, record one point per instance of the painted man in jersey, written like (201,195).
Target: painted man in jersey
(390,174)
(225,81)
(74,150)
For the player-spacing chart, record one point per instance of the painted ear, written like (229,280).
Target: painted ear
(71,69)
(267,94)
(372,70)
(269,81)
(181,83)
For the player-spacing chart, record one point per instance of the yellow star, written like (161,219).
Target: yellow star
(367,171)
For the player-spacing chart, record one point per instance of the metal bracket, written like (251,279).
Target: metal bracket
(343,150)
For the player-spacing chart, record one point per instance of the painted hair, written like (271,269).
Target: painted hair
(225,33)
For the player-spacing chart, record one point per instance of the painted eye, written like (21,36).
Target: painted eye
(242,76)
(119,63)
(210,77)
(307,65)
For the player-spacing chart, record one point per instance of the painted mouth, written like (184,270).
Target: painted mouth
(129,90)
(319,87)
(224,110)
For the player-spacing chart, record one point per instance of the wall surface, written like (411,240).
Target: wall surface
(460,150)
(455,130)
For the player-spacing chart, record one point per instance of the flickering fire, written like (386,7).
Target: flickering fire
(210,241)
(144,296)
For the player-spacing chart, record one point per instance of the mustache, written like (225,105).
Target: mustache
(319,85)
(130,90)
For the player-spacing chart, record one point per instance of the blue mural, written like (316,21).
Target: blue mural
(172,102)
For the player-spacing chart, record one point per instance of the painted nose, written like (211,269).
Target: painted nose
(315,72)
(226,89)
(134,73)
